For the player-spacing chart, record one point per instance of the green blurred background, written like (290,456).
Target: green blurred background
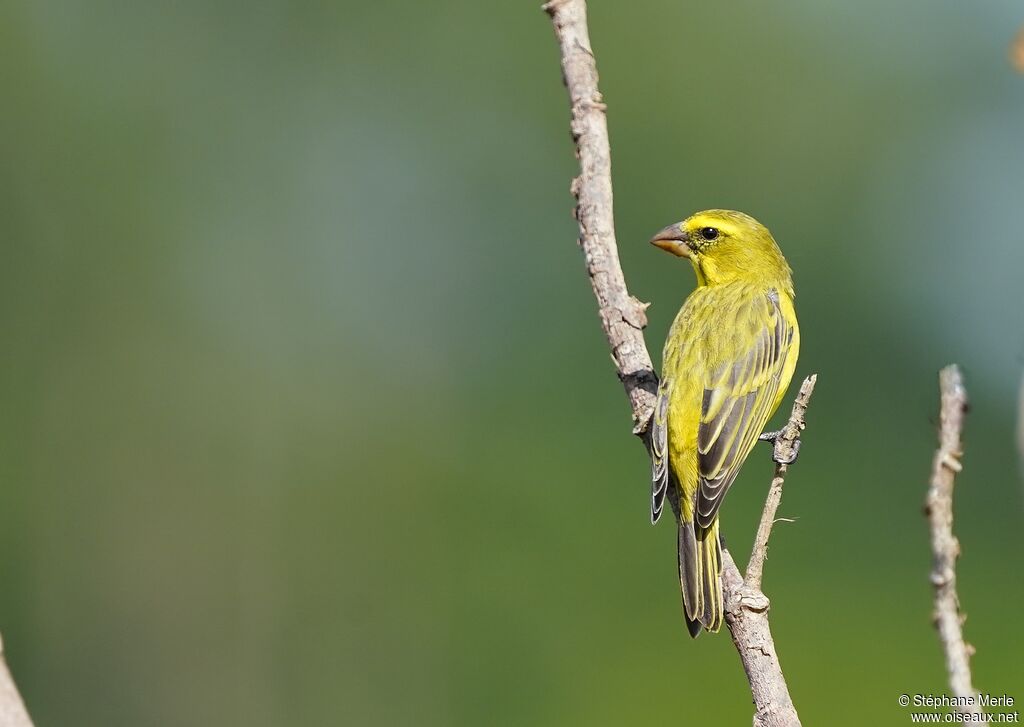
(306,417)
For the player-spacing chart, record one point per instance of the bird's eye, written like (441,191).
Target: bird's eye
(709,233)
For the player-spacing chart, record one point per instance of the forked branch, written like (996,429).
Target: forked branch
(623,319)
(746,607)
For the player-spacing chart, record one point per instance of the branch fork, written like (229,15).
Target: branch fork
(623,318)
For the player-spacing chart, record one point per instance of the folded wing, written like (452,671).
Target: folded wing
(739,398)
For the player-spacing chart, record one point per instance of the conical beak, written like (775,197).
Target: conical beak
(672,239)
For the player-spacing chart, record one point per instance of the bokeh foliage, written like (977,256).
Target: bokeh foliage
(305,414)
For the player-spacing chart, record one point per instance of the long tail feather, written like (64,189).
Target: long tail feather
(700,568)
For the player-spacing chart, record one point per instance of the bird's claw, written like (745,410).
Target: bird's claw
(793,453)
(777,456)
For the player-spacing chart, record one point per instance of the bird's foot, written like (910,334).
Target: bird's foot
(783,452)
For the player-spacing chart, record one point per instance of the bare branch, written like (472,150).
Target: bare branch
(784,452)
(746,607)
(12,708)
(623,319)
(945,546)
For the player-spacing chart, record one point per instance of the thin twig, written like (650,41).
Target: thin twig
(623,319)
(784,452)
(945,546)
(12,708)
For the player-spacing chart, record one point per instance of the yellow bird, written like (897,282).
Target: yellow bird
(728,360)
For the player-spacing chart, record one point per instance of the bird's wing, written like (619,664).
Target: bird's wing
(659,450)
(739,398)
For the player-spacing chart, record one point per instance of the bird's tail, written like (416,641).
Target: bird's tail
(700,575)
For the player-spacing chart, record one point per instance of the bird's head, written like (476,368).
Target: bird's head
(726,246)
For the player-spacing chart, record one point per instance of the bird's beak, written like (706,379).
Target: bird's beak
(672,239)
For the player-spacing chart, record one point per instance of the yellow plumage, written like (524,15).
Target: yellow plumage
(728,360)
